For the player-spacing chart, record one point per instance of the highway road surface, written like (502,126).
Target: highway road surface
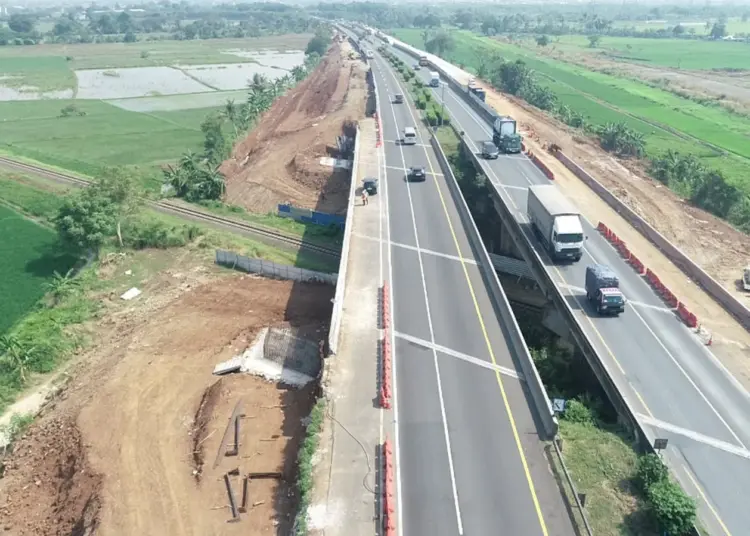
(468,456)
(678,387)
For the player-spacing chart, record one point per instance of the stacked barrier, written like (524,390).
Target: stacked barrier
(385,377)
(538,163)
(389,492)
(666,295)
(378,131)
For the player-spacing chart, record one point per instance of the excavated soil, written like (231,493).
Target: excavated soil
(115,453)
(279,161)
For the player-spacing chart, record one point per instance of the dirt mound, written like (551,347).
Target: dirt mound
(279,161)
(50,488)
(121,450)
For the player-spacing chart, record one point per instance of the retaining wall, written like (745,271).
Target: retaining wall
(338,299)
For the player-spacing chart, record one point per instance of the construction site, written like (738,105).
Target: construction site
(295,155)
(154,430)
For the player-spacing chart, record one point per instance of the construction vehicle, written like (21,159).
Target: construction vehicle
(434,79)
(603,290)
(423,61)
(556,221)
(505,135)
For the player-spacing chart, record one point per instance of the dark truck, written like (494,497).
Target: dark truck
(505,135)
(603,290)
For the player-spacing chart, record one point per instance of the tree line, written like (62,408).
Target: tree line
(158,21)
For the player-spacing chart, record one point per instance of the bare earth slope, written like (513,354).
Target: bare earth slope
(279,161)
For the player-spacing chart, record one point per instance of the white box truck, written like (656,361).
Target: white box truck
(556,221)
(434,79)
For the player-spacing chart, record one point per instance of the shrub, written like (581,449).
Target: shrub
(673,508)
(421,103)
(150,233)
(305,465)
(650,471)
(577,412)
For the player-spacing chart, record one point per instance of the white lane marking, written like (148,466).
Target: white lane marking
(396,168)
(398,143)
(434,352)
(460,355)
(689,379)
(643,321)
(394,387)
(415,248)
(435,253)
(695,436)
(582,290)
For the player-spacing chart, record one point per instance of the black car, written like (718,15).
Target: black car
(416,174)
(489,150)
(370,185)
(398,98)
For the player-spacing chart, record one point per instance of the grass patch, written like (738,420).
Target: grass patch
(329,237)
(716,136)
(34,201)
(603,466)
(29,256)
(675,53)
(305,465)
(38,74)
(105,136)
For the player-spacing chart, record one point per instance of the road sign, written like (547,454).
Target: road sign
(558,405)
(660,444)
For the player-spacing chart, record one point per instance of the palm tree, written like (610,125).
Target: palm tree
(298,72)
(16,356)
(62,285)
(258,82)
(229,113)
(189,161)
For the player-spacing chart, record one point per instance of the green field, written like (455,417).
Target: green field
(105,136)
(716,136)
(733,25)
(28,258)
(675,53)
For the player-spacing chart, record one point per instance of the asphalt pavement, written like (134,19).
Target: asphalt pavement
(680,389)
(468,453)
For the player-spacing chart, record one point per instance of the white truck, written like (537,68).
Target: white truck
(556,221)
(434,79)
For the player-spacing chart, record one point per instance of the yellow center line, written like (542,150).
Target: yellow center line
(708,503)
(512,421)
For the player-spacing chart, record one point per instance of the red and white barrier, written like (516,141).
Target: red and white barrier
(666,295)
(378,131)
(385,377)
(538,163)
(389,491)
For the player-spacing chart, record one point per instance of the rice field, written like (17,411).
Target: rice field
(718,137)
(28,259)
(674,53)
(105,136)
(87,70)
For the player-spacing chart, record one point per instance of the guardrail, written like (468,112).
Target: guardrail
(499,299)
(338,298)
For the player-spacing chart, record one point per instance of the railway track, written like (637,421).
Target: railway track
(235,226)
